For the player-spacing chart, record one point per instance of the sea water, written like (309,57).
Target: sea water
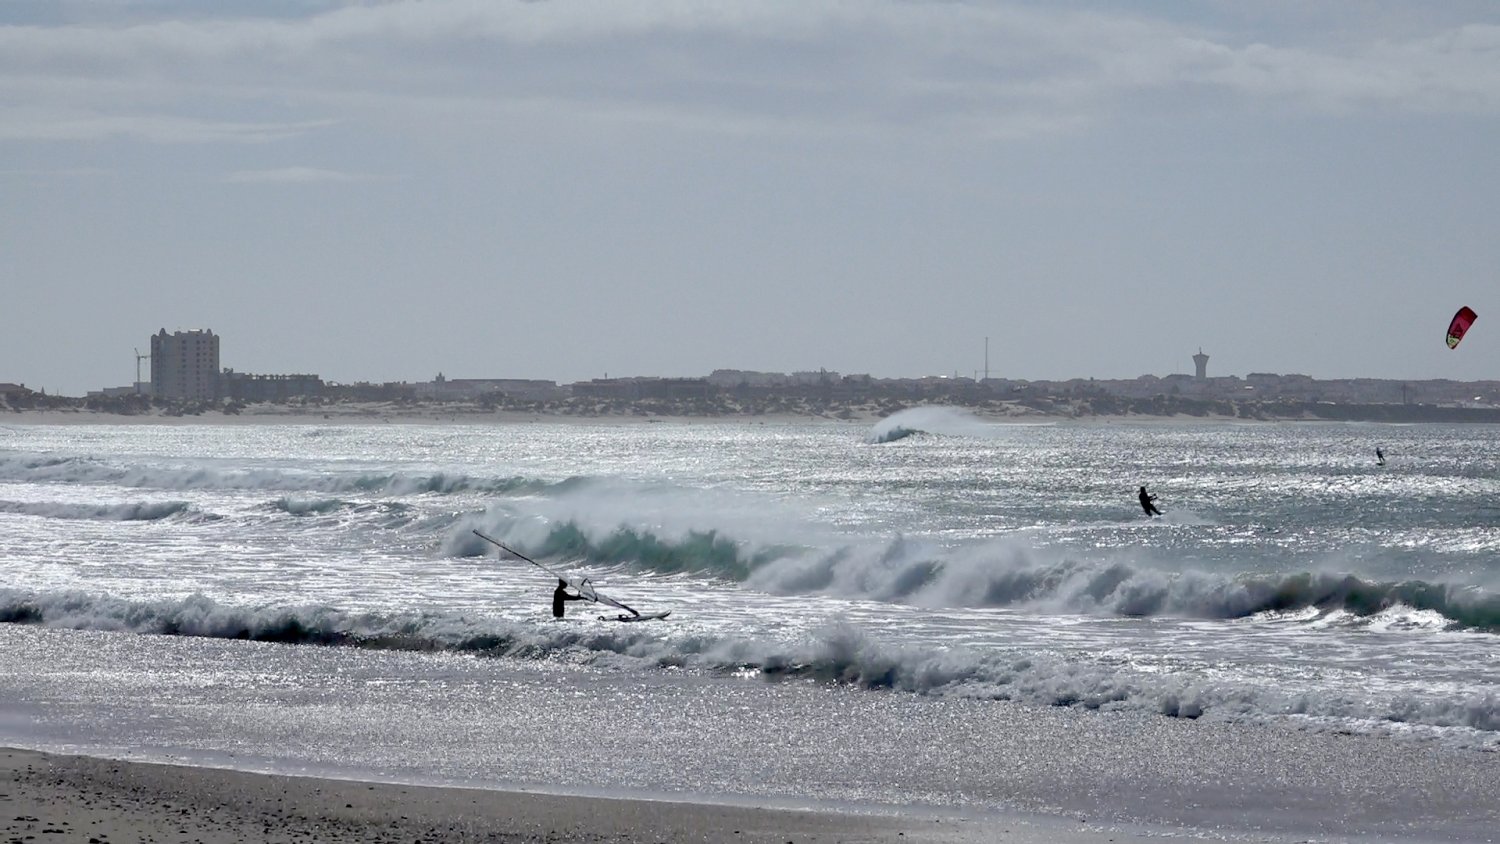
(931,611)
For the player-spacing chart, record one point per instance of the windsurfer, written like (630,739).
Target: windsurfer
(1146,499)
(561,594)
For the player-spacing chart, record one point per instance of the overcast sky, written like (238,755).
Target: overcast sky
(565,189)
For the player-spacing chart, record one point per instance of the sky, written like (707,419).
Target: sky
(575,189)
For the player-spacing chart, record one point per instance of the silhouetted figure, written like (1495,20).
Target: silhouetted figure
(1146,499)
(1379,457)
(561,594)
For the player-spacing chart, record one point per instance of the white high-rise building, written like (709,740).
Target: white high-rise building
(185,365)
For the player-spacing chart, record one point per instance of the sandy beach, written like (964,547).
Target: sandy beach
(63,799)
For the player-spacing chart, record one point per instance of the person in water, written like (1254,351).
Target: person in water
(1379,457)
(561,594)
(1146,499)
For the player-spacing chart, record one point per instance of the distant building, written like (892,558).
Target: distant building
(635,389)
(734,379)
(443,388)
(680,388)
(822,376)
(390,391)
(1200,363)
(244,387)
(624,389)
(185,365)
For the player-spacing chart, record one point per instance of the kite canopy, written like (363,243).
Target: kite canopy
(1460,324)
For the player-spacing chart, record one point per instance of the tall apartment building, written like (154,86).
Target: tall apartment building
(185,365)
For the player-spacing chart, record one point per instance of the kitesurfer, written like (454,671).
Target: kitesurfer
(1379,457)
(1146,499)
(561,594)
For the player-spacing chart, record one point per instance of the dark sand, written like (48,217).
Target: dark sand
(51,799)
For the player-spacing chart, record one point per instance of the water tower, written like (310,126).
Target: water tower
(1200,362)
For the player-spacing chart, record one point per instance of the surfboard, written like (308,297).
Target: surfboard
(647,616)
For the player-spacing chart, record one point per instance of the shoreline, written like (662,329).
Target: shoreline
(108,801)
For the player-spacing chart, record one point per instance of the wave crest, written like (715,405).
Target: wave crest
(89,470)
(1007,574)
(135,511)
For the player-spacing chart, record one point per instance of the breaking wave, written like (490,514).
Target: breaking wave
(946,421)
(309,506)
(1003,574)
(891,434)
(88,470)
(838,654)
(140,511)
(697,552)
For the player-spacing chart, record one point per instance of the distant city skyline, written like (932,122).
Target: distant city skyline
(204,343)
(977,373)
(556,190)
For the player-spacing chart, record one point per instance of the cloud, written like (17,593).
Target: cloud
(294,175)
(996,70)
(47,124)
(1452,71)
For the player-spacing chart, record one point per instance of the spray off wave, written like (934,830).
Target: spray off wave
(935,419)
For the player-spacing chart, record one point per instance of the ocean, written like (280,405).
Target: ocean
(931,613)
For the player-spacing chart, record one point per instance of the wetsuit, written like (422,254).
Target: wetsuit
(559,595)
(1146,499)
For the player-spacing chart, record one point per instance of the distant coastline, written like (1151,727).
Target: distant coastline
(732,394)
(785,408)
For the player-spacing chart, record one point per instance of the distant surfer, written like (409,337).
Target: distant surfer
(1379,457)
(1146,499)
(561,594)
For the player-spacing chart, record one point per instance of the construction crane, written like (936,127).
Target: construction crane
(138,358)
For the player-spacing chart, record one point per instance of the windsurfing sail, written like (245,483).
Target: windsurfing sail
(587,590)
(584,587)
(1460,325)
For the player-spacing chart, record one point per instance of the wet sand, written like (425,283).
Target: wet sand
(54,799)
